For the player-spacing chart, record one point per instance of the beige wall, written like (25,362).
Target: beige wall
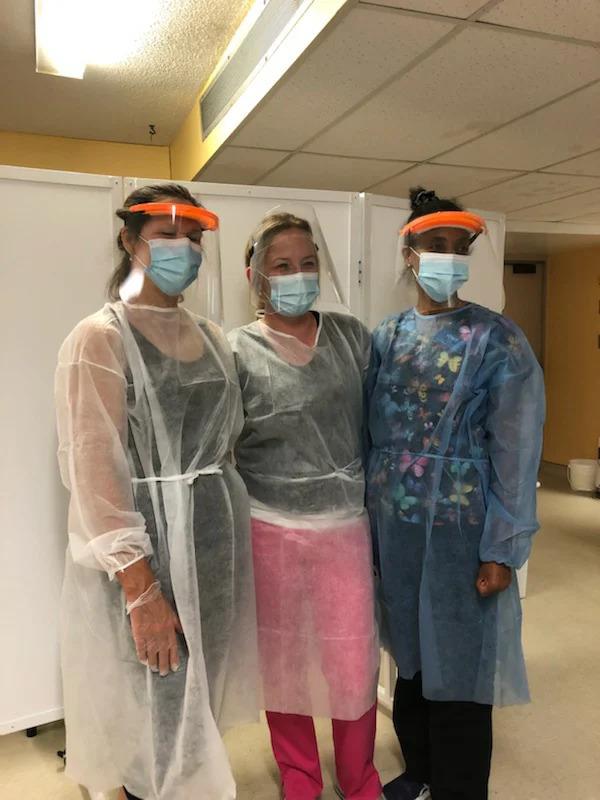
(84,155)
(572,355)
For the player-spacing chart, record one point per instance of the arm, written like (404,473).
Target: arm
(370,380)
(105,530)
(514,428)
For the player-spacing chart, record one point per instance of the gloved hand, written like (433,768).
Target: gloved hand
(493,578)
(154,625)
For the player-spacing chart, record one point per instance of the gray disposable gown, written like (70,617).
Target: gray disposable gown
(300,457)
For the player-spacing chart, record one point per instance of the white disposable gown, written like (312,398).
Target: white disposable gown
(149,407)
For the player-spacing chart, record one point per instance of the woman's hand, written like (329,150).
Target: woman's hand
(154,624)
(493,578)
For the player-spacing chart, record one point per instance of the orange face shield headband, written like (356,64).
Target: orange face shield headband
(208,220)
(445,219)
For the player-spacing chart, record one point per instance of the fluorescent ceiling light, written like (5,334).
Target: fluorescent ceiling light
(72,34)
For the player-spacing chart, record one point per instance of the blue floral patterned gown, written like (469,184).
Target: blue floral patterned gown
(455,417)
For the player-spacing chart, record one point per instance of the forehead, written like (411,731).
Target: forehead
(292,241)
(451,235)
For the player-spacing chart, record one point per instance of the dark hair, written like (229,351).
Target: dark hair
(135,221)
(424,201)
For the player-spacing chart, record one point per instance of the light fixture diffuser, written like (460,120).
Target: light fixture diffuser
(59,46)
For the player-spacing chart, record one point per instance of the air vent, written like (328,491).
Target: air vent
(237,71)
(524,269)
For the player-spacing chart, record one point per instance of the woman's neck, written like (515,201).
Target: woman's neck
(151,295)
(303,328)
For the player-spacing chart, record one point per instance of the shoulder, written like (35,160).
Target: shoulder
(503,330)
(508,349)
(96,339)
(387,328)
(347,323)
(211,330)
(238,336)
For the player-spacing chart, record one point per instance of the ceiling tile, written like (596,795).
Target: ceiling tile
(583,165)
(559,131)
(241,165)
(540,245)
(166,54)
(447,181)
(528,190)
(351,61)
(566,209)
(311,171)
(580,20)
(447,8)
(467,87)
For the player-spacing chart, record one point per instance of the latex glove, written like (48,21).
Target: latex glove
(154,626)
(493,578)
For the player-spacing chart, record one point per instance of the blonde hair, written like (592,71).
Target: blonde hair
(270,227)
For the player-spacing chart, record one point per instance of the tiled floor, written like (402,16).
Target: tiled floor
(549,750)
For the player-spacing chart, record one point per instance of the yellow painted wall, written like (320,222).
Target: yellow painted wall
(572,355)
(84,155)
(189,151)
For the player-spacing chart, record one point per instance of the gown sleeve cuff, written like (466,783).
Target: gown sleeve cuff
(113,551)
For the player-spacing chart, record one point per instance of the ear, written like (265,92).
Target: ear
(127,240)
(408,255)
(249,274)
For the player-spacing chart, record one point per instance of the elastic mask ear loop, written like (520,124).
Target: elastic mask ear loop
(136,257)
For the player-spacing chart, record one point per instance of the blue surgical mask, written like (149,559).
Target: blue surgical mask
(174,264)
(442,274)
(293,295)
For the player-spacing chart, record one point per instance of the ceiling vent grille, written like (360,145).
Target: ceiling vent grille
(237,71)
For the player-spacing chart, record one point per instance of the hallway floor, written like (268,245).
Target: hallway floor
(549,750)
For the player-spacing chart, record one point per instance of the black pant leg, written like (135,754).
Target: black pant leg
(411,723)
(130,796)
(461,750)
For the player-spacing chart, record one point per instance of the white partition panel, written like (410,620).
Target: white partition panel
(384,294)
(56,252)
(240,209)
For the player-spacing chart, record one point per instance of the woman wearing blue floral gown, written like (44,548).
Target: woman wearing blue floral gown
(456,409)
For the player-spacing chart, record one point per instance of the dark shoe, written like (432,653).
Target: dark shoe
(402,788)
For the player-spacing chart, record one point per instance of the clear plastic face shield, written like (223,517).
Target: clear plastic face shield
(291,270)
(435,254)
(178,250)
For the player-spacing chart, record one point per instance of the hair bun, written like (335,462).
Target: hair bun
(420,197)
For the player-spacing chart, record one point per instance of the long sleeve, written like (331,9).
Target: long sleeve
(105,530)
(515,420)
(370,379)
